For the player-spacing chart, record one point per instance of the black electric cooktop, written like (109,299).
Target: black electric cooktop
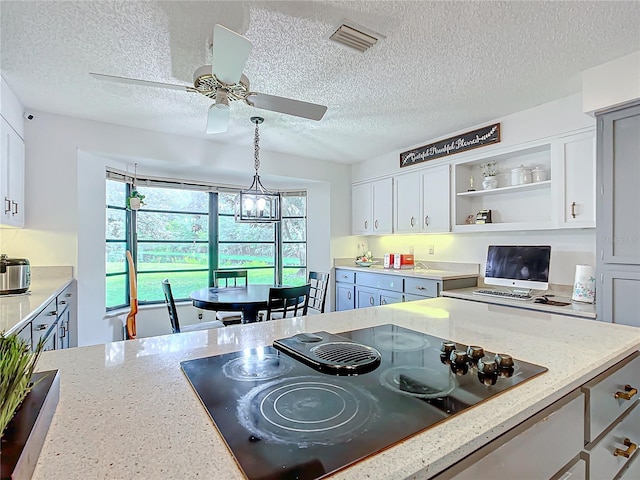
(315,403)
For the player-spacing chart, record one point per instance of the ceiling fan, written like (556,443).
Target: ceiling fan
(224,82)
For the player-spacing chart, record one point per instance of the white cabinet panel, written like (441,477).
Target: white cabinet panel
(436,200)
(372,207)
(574,175)
(407,208)
(11,176)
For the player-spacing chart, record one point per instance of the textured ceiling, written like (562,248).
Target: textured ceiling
(443,66)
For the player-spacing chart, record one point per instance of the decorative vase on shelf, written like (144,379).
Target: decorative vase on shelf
(489,182)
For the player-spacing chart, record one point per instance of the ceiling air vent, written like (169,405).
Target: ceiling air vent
(354,37)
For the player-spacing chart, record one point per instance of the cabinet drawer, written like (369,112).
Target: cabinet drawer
(602,405)
(603,464)
(381,281)
(345,276)
(43,323)
(577,471)
(421,286)
(65,299)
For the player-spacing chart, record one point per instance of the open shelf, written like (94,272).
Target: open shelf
(512,188)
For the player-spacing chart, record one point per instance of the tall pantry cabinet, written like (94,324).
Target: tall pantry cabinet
(618,216)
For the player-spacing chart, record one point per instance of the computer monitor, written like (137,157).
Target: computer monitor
(520,267)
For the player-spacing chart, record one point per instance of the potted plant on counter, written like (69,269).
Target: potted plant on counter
(17,363)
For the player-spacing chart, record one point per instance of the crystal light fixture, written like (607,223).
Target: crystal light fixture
(257,204)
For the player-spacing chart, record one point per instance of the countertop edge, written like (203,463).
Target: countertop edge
(422,273)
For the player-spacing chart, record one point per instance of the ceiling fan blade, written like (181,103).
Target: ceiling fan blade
(144,83)
(289,106)
(218,119)
(230,53)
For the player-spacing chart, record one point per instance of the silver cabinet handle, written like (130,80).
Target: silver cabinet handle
(349,295)
(413,222)
(573,209)
(371,301)
(7,206)
(426,220)
(53,313)
(384,301)
(42,326)
(375,224)
(15,208)
(366,224)
(419,288)
(67,295)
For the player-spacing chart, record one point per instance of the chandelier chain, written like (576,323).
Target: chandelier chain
(256,149)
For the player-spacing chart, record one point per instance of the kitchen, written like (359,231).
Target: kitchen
(66,165)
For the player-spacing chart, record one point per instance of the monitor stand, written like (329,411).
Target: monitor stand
(521,291)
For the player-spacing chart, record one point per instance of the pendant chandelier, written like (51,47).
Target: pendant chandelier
(257,204)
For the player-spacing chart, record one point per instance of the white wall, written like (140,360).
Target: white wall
(65,190)
(611,84)
(569,247)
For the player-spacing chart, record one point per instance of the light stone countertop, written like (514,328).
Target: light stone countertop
(126,409)
(46,284)
(577,309)
(433,270)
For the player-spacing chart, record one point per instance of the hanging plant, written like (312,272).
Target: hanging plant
(135,200)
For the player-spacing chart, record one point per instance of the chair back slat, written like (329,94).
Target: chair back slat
(230,278)
(294,300)
(319,282)
(171,306)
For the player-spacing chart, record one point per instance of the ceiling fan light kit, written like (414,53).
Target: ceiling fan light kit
(224,83)
(257,204)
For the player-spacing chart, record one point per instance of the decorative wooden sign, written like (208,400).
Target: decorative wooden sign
(460,143)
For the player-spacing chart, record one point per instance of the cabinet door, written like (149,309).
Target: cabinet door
(619,191)
(576,177)
(436,200)
(366,297)
(345,297)
(407,203)
(618,299)
(11,176)
(382,193)
(386,297)
(361,205)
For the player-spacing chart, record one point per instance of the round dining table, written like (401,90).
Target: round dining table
(248,299)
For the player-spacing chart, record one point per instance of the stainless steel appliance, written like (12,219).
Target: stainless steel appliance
(15,275)
(316,402)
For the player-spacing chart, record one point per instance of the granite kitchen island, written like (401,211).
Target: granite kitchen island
(127,410)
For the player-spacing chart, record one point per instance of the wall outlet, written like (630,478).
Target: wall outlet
(431,250)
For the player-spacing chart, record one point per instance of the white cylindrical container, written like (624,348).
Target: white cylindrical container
(538,174)
(584,286)
(520,175)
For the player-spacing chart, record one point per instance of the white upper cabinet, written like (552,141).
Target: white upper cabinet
(11,176)
(408,213)
(372,207)
(436,200)
(574,182)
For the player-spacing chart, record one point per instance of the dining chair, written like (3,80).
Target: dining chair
(229,278)
(319,282)
(130,322)
(288,300)
(173,314)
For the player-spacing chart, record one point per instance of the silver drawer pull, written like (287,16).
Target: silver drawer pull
(53,313)
(629,392)
(371,301)
(42,326)
(67,295)
(419,288)
(631,447)
(349,295)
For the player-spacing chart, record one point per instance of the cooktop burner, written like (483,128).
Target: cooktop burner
(317,402)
